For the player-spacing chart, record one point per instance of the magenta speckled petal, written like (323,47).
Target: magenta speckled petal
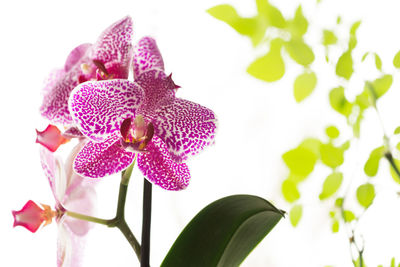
(185,127)
(76,55)
(52,79)
(115,45)
(160,169)
(100,159)
(99,108)
(146,57)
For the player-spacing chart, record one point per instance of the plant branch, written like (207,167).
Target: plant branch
(145,251)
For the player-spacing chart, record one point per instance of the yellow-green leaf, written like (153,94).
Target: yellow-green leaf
(270,14)
(290,191)
(304,85)
(344,66)
(348,216)
(312,144)
(331,185)
(353,38)
(300,161)
(382,85)
(365,194)
(339,102)
(335,226)
(299,24)
(332,132)
(339,202)
(393,173)
(295,214)
(396,60)
(329,38)
(270,67)
(378,62)
(331,156)
(372,164)
(300,51)
(397,130)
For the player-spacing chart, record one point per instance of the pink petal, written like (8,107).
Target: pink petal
(52,168)
(99,108)
(51,138)
(115,45)
(72,132)
(185,127)
(100,159)
(146,57)
(30,216)
(76,55)
(52,79)
(160,169)
(70,247)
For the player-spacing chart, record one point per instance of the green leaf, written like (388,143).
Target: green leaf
(312,144)
(329,38)
(348,216)
(299,24)
(331,185)
(353,38)
(393,173)
(365,194)
(300,161)
(289,191)
(364,100)
(372,164)
(338,19)
(364,56)
(299,51)
(381,85)
(393,262)
(251,27)
(397,130)
(295,214)
(332,132)
(335,226)
(224,232)
(339,102)
(304,85)
(331,156)
(344,66)
(270,67)
(339,202)
(358,263)
(270,14)
(345,146)
(396,60)
(378,62)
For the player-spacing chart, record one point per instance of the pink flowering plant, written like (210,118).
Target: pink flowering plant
(119,122)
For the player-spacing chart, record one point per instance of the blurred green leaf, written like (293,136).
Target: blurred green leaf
(396,60)
(224,232)
(378,62)
(295,214)
(300,161)
(299,51)
(338,19)
(393,262)
(329,38)
(251,27)
(289,191)
(365,194)
(345,146)
(299,24)
(372,164)
(348,216)
(364,56)
(331,156)
(357,125)
(381,85)
(270,67)
(313,145)
(332,132)
(304,85)
(397,130)
(393,173)
(344,66)
(353,38)
(331,185)
(335,226)
(358,263)
(339,202)
(339,102)
(364,100)
(270,14)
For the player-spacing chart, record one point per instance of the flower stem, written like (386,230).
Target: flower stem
(124,228)
(88,218)
(145,256)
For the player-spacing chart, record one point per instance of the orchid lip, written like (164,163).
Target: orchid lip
(136,135)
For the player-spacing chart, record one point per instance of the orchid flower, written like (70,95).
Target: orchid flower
(109,58)
(71,192)
(121,118)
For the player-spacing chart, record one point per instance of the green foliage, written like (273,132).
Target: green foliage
(339,102)
(365,194)
(331,185)
(396,60)
(397,130)
(380,86)
(299,51)
(335,226)
(270,67)
(393,173)
(353,38)
(348,216)
(332,132)
(298,25)
(344,66)
(290,191)
(304,85)
(270,14)
(378,61)
(295,214)
(329,38)
(372,164)
(331,156)
(359,262)
(312,144)
(224,232)
(339,202)
(300,161)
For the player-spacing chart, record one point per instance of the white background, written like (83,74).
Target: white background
(257,123)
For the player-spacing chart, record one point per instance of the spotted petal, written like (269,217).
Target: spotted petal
(146,57)
(185,127)
(100,159)
(52,80)
(99,108)
(158,166)
(76,55)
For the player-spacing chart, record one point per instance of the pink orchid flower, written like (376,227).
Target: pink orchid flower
(109,58)
(120,117)
(71,192)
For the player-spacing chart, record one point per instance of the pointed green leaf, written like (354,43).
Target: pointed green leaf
(300,161)
(378,62)
(332,132)
(339,202)
(295,214)
(365,194)
(338,19)
(331,156)
(396,60)
(393,173)
(397,130)
(290,191)
(299,24)
(348,216)
(270,14)
(372,164)
(335,226)
(345,146)
(353,38)
(329,38)
(270,67)
(339,102)
(300,51)
(359,263)
(382,85)
(364,100)
(393,262)
(331,185)
(364,56)
(344,66)
(304,85)
(224,232)
(312,144)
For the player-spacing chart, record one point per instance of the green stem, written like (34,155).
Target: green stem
(389,157)
(145,257)
(124,228)
(88,218)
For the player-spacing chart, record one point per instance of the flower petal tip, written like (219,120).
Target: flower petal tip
(51,138)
